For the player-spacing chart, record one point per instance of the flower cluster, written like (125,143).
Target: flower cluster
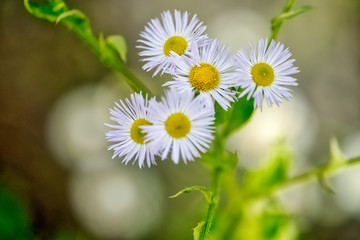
(180,125)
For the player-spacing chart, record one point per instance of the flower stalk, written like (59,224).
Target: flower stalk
(208,222)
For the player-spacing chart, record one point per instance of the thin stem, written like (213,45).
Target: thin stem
(205,231)
(275,24)
(112,63)
(328,169)
(288,5)
(75,20)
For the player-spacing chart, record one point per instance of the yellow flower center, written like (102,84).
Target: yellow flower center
(136,133)
(262,74)
(178,125)
(177,44)
(204,77)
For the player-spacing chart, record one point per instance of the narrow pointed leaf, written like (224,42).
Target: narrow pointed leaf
(118,43)
(325,184)
(291,14)
(231,120)
(197,230)
(336,155)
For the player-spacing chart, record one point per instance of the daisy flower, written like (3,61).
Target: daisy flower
(128,137)
(265,72)
(182,124)
(208,71)
(159,39)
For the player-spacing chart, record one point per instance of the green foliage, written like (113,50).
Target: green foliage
(274,172)
(261,222)
(286,14)
(49,11)
(220,158)
(76,20)
(249,211)
(325,184)
(336,155)
(14,222)
(336,158)
(197,230)
(119,44)
(111,50)
(277,226)
(56,11)
(229,121)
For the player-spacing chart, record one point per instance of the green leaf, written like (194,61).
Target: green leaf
(106,53)
(197,230)
(336,155)
(271,224)
(206,192)
(225,159)
(74,14)
(56,11)
(58,5)
(277,226)
(275,172)
(290,14)
(77,21)
(325,184)
(102,43)
(231,120)
(264,221)
(50,11)
(118,43)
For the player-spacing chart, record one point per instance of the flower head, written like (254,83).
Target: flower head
(128,137)
(160,39)
(182,124)
(265,72)
(207,71)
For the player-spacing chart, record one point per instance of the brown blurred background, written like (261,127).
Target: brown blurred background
(55,96)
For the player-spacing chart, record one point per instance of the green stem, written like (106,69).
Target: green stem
(112,63)
(288,6)
(275,24)
(205,231)
(329,169)
(56,11)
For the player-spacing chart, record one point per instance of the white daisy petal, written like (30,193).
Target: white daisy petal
(184,127)
(207,71)
(264,72)
(129,140)
(173,33)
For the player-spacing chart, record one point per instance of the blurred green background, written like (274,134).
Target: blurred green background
(57,181)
